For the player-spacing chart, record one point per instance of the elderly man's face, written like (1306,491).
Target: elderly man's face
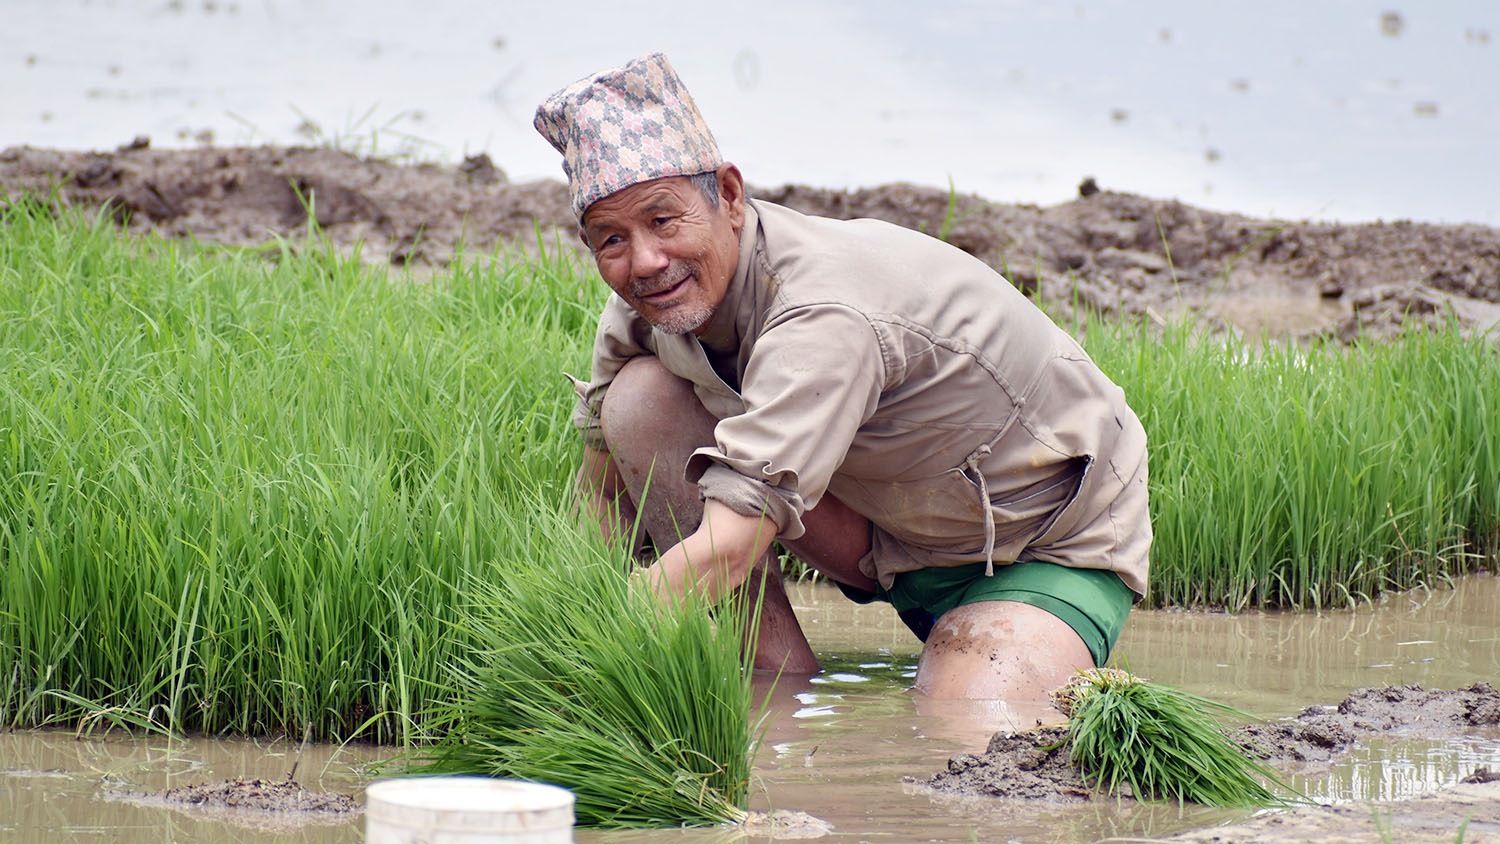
(665,250)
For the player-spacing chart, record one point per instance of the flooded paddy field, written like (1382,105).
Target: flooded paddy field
(844,746)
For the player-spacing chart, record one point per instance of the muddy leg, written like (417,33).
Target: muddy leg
(999,650)
(652,423)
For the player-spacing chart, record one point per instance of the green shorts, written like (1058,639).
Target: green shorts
(1092,602)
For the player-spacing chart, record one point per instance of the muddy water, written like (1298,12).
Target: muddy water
(838,746)
(53,785)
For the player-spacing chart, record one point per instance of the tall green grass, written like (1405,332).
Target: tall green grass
(245,495)
(242,497)
(1284,476)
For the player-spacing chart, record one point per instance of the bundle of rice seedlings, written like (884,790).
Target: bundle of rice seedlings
(1164,742)
(573,678)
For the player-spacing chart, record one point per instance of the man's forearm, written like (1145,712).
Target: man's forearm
(716,558)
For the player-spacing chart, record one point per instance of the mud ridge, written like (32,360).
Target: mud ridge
(1114,253)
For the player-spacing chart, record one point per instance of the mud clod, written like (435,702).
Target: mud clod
(260,795)
(1481,775)
(278,805)
(1028,765)
(785,825)
(481,169)
(1483,708)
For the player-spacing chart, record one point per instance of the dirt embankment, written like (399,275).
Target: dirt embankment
(1115,253)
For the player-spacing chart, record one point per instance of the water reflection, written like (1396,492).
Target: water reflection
(1271,664)
(1382,769)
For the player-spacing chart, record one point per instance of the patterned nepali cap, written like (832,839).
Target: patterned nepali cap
(624,126)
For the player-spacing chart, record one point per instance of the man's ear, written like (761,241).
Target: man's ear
(584,236)
(732,194)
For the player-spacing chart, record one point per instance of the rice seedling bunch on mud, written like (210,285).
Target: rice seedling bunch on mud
(576,679)
(1312,476)
(1163,742)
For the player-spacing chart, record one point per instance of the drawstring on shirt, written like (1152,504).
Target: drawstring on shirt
(971,463)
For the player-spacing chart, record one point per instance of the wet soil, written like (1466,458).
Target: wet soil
(1320,734)
(1027,765)
(271,805)
(1035,765)
(1118,254)
(1466,812)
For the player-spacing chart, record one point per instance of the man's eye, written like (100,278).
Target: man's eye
(662,221)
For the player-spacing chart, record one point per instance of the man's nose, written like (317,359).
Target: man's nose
(647,257)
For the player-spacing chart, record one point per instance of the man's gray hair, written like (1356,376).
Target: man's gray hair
(708,185)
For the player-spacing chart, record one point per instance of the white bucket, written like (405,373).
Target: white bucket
(467,810)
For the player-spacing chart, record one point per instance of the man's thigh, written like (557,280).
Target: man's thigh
(835,539)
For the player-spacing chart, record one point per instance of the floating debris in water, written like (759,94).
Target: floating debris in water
(1392,24)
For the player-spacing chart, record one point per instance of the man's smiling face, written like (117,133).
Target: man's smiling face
(665,250)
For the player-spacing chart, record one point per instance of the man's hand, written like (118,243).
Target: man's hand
(719,558)
(716,558)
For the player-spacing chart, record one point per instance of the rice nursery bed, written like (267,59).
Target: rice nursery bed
(258,494)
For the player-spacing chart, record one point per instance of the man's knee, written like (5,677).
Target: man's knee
(643,396)
(1002,650)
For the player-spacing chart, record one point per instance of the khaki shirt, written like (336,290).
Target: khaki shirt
(912,382)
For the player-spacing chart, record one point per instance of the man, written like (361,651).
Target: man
(884,405)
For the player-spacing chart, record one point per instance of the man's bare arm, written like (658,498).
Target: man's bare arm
(716,558)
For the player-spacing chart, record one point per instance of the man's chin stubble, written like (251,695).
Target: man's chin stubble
(682,319)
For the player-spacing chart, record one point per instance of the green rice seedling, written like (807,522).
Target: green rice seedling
(576,679)
(1161,741)
(1311,476)
(238,496)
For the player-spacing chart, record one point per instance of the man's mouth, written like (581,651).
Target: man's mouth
(666,293)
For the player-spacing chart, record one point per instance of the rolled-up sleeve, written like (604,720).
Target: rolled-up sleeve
(814,378)
(622,334)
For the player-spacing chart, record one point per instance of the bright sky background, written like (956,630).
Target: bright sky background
(1292,108)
